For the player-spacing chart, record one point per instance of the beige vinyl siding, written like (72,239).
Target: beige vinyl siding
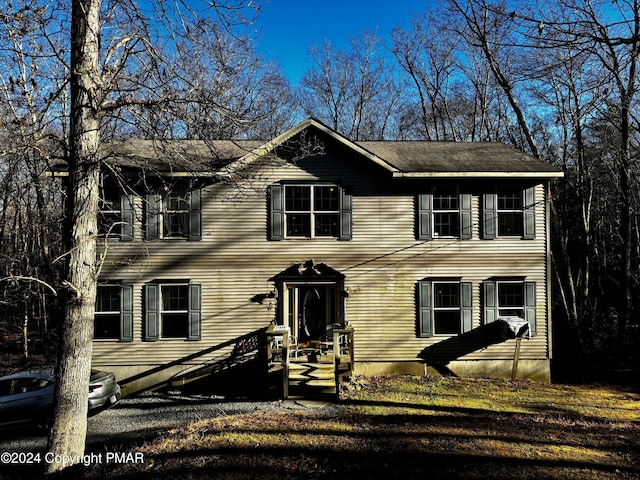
(382,264)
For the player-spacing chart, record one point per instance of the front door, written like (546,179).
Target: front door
(311,309)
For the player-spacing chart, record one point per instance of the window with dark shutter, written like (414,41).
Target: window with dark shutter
(176,214)
(107,313)
(110,213)
(509,212)
(128,215)
(309,211)
(172,311)
(444,212)
(510,298)
(113,317)
(445,307)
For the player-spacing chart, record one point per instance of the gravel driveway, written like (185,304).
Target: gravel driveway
(136,418)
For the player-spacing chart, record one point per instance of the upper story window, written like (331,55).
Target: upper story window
(176,214)
(175,209)
(109,214)
(444,212)
(309,211)
(445,307)
(115,214)
(509,212)
(113,318)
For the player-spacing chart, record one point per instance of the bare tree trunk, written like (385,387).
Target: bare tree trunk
(74,364)
(25,337)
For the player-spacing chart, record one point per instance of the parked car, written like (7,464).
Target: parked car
(27,397)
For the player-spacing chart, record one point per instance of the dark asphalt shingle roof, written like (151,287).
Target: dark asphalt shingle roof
(405,156)
(177,155)
(417,156)
(402,158)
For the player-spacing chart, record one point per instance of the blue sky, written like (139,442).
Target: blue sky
(288,27)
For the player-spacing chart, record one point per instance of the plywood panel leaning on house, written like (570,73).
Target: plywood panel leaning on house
(410,243)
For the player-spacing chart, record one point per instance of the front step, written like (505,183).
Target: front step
(318,377)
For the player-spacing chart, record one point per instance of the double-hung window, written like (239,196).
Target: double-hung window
(309,211)
(172,311)
(109,213)
(115,214)
(509,212)
(510,297)
(312,210)
(444,212)
(175,214)
(444,307)
(113,318)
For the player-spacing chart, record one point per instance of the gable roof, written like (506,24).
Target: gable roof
(402,159)
(421,159)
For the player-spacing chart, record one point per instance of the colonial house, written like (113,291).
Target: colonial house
(405,253)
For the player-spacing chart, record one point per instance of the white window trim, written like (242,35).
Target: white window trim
(311,212)
(522,307)
(164,210)
(445,309)
(162,311)
(110,312)
(435,211)
(511,210)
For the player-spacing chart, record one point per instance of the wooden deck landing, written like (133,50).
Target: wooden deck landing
(312,371)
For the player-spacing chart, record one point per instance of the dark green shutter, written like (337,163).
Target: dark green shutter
(345,215)
(276,212)
(195,312)
(490,306)
(489,216)
(151,312)
(466,305)
(152,217)
(466,219)
(424,216)
(127,215)
(530,306)
(529,213)
(425,309)
(195,215)
(126,313)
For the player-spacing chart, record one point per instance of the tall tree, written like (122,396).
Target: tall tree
(427,54)
(354,91)
(32,84)
(131,73)
(608,34)
(68,432)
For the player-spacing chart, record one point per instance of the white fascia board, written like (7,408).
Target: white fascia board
(478,174)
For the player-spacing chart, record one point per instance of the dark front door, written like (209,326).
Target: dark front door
(311,309)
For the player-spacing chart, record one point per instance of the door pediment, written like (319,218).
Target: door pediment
(308,271)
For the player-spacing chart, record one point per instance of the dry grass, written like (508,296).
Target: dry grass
(413,427)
